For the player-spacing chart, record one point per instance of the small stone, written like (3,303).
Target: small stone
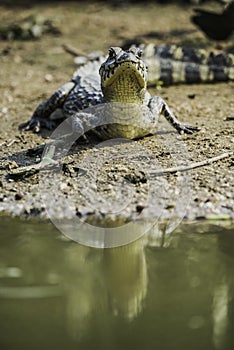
(63,186)
(48,77)
(19,196)
(36,31)
(4,110)
(140,207)
(191,96)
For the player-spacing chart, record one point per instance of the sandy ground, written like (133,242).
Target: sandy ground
(31,70)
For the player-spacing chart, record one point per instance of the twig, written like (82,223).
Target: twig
(11,142)
(74,51)
(35,168)
(24,171)
(30,170)
(190,166)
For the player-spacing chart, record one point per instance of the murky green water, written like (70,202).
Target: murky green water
(56,294)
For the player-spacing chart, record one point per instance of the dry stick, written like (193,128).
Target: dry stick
(74,51)
(190,166)
(24,171)
(30,170)
(35,168)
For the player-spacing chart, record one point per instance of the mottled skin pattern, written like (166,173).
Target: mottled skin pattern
(173,64)
(130,111)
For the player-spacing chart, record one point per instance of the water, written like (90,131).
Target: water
(56,294)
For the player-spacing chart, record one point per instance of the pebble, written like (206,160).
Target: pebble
(48,77)
(63,186)
(19,196)
(4,110)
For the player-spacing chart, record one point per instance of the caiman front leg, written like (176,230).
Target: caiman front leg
(159,107)
(42,113)
(76,126)
(63,139)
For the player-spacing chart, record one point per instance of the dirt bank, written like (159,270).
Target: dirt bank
(32,69)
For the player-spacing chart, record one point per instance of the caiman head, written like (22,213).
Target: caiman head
(123,76)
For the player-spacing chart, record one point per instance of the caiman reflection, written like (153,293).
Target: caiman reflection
(173,292)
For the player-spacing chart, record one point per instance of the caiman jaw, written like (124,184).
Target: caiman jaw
(123,76)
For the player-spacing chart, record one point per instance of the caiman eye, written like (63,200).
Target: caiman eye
(136,51)
(111,53)
(139,53)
